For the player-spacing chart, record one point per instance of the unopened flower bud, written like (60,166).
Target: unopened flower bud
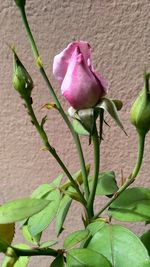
(20,3)
(140,110)
(22,81)
(81,85)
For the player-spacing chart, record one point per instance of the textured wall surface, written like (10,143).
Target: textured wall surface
(119,33)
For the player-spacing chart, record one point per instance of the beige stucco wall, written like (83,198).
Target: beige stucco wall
(119,33)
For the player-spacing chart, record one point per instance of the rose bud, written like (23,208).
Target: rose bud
(80,84)
(140,110)
(22,81)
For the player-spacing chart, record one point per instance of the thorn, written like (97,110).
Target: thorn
(39,62)
(44,149)
(24,105)
(31,100)
(116,194)
(109,218)
(89,140)
(122,178)
(106,123)
(125,132)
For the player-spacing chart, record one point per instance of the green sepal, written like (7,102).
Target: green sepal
(79,128)
(109,106)
(118,103)
(87,118)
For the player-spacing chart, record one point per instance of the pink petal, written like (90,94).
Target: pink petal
(80,87)
(62,60)
(85,51)
(102,80)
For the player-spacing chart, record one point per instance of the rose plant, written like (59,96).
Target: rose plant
(100,242)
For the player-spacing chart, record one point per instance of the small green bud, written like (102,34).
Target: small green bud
(22,81)
(20,3)
(140,110)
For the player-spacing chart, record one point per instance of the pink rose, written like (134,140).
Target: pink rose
(80,84)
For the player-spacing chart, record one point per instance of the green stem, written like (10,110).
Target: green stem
(35,252)
(138,164)
(130,179)
(55,99)
(75,136)
(96,144)
(29,33)
(52,150)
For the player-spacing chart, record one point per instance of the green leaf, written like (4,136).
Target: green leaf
(42,190)
(109,106)
(3,245)
(75,238)
(48,244)
(84,257)
(20,209)
(58,262)
(94,227)
(77,177)
(132,205)
(7,232)
(72,194)
(32,239)
(38,222)
(146,264)
(62,213)
(145,238)
(106,184)
(120,246)
(79,128)
(57,181)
